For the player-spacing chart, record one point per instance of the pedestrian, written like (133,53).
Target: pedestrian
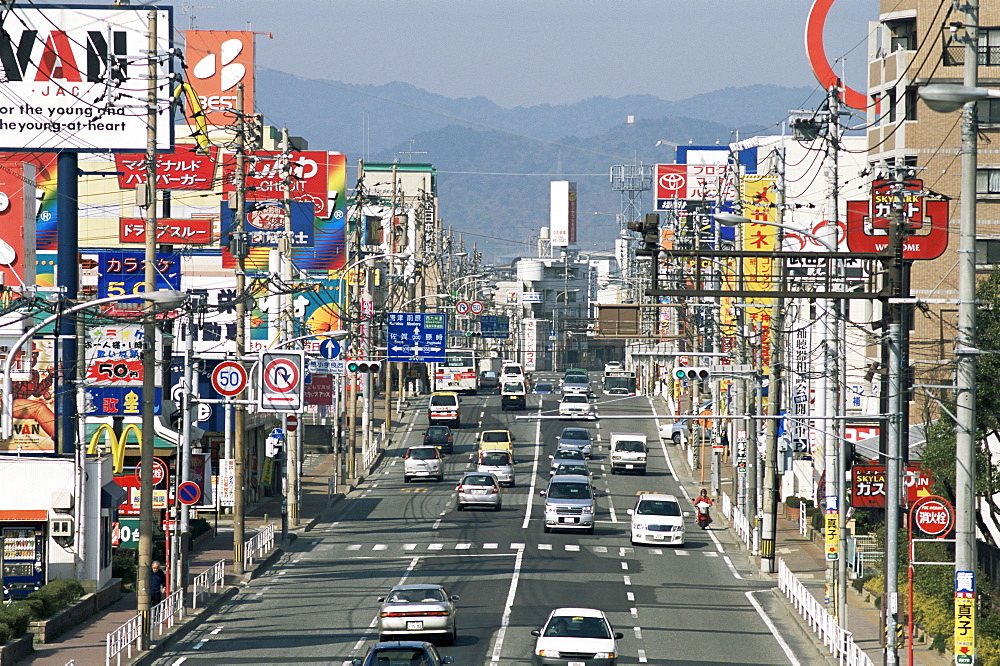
(157,583)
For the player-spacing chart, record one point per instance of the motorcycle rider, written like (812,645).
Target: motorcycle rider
(702,505)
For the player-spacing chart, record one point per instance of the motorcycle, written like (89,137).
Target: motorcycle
(704,517)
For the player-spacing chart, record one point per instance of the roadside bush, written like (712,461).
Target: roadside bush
(5,633)
(57,595)
(198,527)
(16,617)
(124,564)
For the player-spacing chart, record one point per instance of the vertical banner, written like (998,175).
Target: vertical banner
(562,213)
(760,236)
(530,344)
(965,617)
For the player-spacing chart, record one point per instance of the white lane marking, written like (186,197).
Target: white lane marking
(545,546)
(624,566)
(215,631)
(630,596)
(611,507)
(354,546)
(375,485)
(638,633)
(380,546)
(435,546)
(482,414)
(600,549)
(490,546)
(683,553)
(534,471)
(437,524)
(627,580)
(710,554)
(623,551)
(634,612)
(282,573)
(374,622)
(505,621)
(729,562)
(315,542)
(409,546)
(773,629)
(642,656)
(200,644)
(516,546)
(463,546)
(179,661)
(572,547)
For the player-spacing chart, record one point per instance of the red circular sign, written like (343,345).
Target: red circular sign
(933,516)
(159,472)
(229,378)
(281,375)
(291,423)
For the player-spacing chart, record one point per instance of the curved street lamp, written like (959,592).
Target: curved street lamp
(733,220)
(164,299)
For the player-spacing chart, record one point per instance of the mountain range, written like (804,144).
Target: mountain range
(494,164)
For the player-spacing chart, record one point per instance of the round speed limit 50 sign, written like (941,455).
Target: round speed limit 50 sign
(229,378)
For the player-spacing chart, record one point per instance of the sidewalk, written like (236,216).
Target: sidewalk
(85,643)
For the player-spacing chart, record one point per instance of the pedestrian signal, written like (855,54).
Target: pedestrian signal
(364,367)
(684,372)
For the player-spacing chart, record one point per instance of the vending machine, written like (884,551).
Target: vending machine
(23,561)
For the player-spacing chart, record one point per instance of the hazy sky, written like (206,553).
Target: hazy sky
(529,52)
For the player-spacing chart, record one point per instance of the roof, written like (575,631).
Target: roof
(419,586)
(569,478)
(657,496)
(581,612)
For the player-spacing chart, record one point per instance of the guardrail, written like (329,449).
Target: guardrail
(741,525)
(121,640)
(837,640)
(213,577)
(162,615)
(259,544)
(803,520)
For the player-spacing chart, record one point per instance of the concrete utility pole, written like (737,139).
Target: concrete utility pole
(148,350)
(352,379)
(288,327)
(239,250)
(388,303)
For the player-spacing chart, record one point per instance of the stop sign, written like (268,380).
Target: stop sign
(291,423)
(933,516)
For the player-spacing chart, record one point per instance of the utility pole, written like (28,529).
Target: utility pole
(388,299)
(143,596)
(238,248)
(287,328)
(352,380)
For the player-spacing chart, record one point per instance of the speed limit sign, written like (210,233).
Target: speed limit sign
(229,378)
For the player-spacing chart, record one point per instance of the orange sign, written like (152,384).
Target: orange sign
(17,224)
(219,60)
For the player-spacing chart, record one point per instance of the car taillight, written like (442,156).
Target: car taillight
(495,490)
(415,614)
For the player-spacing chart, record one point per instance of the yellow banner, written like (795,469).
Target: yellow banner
(760,235)
(965,630)
(832,536)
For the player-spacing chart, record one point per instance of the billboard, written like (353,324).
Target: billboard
(72,77)
(17,225)
(562,213)
(34,400)
(219,60)
(183,169)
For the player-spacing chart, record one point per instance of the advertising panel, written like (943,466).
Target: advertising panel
(122,272)
(219,60)
(168,231)
(34,402)
(114,355)
(530,344)
(761,235)
(562,213)
(868,485)
(184,169)
(17,224)
(926,221)
(60,94)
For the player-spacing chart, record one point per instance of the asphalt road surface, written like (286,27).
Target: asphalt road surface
(703,603)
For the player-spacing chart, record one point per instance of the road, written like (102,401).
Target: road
(703,603)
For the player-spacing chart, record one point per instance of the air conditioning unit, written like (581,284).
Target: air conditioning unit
(61,528)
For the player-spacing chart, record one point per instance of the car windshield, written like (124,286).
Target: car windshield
(576,380)
(578,627)
(513,387)
(582,399)
(437,431)
(477,480)
(569,454)
(443,401)
(422,454)
(576,434)
(572,469)
(543,387)
(400,657)
(658,508)
(629,445)
(569,490)
(490,436)
(417,596)
(495,459)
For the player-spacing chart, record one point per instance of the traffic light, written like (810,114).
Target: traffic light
(363,367)
(685,372)
(649,228)
(273,446)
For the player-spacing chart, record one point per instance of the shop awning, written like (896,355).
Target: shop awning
(24,515)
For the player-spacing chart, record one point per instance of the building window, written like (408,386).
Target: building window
(988,111)
(890,100)
(902,34)
(989,46)
(988,251)
(910,102)
(988,181)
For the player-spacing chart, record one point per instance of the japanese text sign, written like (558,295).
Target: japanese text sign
(181,170)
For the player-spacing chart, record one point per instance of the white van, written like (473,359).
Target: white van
(443,407)
(513,394)
(628,452)
(511,371)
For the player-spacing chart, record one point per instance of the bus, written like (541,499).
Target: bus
(458,372)
(619,382)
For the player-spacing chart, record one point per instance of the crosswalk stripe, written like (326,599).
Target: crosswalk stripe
(572,547)
(490,546)
(435,546)
(545,546)
(463,546)
(355,546)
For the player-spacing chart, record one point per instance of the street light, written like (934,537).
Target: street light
(945,98)
(165,299)
(733,220)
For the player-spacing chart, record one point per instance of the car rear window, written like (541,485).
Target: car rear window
(629,445)
(443,401)
(422,454)
(495,459)
(495,437)
(477,480)
(575,434)
(575,398)
(570,454)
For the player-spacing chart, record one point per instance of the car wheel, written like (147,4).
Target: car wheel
(406,479)
(498,507)
(451,638)
(677,438)
(614,471)
(460,507)
(590,530)
(512,483)
(547,529)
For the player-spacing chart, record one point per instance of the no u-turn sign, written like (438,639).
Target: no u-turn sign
(281,381)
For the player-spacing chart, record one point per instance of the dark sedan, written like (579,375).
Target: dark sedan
(441,437)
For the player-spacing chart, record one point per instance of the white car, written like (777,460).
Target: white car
(576,405)
(657,519)
(576,636)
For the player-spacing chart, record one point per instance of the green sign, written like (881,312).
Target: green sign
(128,533)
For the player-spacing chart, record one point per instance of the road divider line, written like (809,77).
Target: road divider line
(773,629)
(215,631)
(638,633)
(505,620)
(374,623)
(736,574)
(534,474)
(642,656)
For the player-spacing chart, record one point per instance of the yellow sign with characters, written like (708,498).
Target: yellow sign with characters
(832,536)
(965,630)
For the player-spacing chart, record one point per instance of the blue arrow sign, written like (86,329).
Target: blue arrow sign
(417,337)
(329,349)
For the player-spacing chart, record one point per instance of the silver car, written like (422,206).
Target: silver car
(579,438)
(422,462)
(573,469)
(565,456)
(576,405)
(499,463)
(479,489)
(417,610)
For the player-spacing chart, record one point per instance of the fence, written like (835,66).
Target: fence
(121,640)
(741,525)
(162,615)
(866,551)
(213,577)
(837,640)
(259,544)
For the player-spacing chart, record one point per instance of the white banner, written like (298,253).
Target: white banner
(227,482)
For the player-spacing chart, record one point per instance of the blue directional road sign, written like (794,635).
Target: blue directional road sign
(329,349)
(417,337)
(495,326)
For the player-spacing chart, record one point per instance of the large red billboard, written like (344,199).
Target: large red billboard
(218,61)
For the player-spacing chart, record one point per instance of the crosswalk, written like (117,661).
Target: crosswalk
(494,547)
